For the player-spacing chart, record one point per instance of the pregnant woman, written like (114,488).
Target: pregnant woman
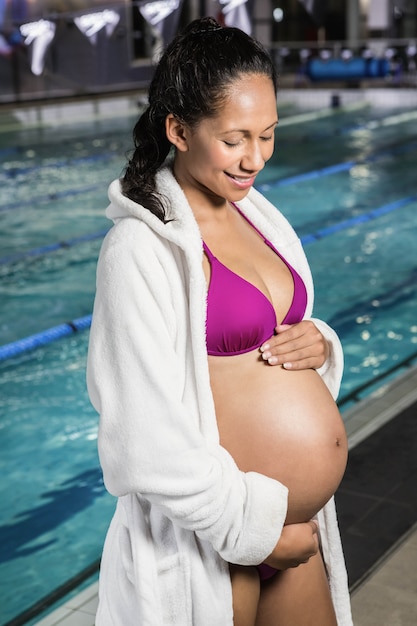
(219,433)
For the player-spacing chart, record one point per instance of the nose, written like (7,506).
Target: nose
(254,159)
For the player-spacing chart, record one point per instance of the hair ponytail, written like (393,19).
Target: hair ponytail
(151,149)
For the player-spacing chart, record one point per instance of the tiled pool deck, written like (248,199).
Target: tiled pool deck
(377,506)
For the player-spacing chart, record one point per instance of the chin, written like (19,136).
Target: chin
(236,196)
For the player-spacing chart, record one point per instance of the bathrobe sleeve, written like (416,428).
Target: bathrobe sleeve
(150,442)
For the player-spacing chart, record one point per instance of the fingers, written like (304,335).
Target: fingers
(297,544)
(314,526)
(300,346)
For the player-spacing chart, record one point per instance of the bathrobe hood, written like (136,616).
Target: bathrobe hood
(184,509)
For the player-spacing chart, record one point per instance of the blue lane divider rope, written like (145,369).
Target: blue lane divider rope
(52,247)
(297,178)
(290,180)
(11,172)
(55,195)
(34,341)
(358,219)
(20,346)
(333,169)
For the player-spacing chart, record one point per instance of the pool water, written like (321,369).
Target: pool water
(55,508)
(53,189)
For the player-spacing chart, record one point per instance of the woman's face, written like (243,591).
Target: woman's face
(222,156)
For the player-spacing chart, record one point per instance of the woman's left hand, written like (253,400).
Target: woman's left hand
(296,347)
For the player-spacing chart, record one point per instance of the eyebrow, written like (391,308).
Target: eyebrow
(241,130)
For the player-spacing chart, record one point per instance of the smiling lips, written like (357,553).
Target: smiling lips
(241,182)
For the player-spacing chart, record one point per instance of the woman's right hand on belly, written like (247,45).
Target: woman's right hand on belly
(296,545)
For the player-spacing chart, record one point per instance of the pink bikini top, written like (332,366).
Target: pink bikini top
(239,316)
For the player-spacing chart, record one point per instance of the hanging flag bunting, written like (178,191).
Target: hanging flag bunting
(162,17)
(236,14)
(40,34)
(156,12)
(91,23)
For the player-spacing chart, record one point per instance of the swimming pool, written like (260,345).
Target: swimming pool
(345,179)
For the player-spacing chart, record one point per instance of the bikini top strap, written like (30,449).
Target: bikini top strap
(207,249)
(208,252)
(249,222)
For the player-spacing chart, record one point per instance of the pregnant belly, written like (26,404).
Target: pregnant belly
(283,424)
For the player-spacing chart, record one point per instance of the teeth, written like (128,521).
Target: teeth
(241,180)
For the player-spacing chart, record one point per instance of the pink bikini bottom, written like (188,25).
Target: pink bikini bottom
(265,571)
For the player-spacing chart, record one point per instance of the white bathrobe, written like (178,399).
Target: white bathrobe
(184,509)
